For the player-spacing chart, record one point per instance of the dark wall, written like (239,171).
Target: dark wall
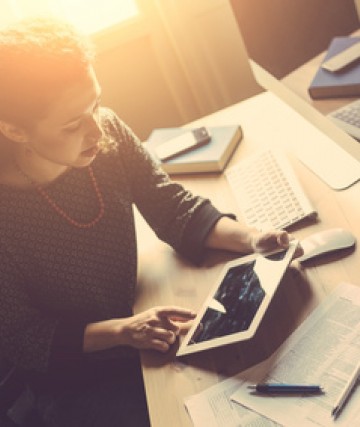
(281,35)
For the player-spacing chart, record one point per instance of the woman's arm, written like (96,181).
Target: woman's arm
(158,327)
(231,235)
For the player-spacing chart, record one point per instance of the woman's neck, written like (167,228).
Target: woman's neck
(40,171)
(20,170)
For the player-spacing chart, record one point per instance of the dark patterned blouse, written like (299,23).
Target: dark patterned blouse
(55,278)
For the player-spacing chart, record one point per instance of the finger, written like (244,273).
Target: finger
(159,345)
(163,335)
(283,239)
(176,313)
(170,325)
(299,251)
(179,328)
(184,327)
(154,338)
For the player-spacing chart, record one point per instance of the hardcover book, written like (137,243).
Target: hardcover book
(211,157)
(342,83)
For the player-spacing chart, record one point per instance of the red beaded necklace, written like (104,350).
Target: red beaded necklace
(60,211)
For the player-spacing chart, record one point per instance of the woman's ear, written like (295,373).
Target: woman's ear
(13,132)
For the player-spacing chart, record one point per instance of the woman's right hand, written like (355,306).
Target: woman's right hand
(156,328)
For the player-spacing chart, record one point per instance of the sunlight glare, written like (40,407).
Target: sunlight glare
(89,16)
(93,15)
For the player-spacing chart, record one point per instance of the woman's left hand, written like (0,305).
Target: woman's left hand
(233,236)
(267,241)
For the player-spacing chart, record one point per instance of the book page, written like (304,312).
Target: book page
(324,350)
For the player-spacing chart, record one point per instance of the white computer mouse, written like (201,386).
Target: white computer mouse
(326,241)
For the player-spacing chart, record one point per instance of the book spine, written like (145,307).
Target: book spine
(175,169)
(334,92)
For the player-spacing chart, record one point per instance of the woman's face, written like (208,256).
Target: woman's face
(69,133)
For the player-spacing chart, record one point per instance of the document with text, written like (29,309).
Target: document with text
(214,408)
(324,350)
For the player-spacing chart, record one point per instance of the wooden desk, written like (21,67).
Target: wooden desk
(164,278)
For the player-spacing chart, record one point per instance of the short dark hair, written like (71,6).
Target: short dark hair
(38,58)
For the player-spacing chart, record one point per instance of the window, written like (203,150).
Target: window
(89,16)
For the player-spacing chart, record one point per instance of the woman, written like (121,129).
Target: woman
(70,175)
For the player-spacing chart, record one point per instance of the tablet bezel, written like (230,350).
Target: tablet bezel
(271,285)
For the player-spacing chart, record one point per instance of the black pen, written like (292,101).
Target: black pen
(268,388)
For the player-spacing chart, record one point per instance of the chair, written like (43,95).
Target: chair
(281,35)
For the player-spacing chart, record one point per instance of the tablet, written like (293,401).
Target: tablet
(238,301)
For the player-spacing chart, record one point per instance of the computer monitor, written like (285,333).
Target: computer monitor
(281,35)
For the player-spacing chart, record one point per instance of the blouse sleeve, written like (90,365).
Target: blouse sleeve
(178,217)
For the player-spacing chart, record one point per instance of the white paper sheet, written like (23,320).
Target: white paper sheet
(324,350)
(213,408)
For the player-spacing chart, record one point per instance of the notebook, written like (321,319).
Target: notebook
(238,301)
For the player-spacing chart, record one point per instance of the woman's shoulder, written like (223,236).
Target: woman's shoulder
(119,137)
(113,126)
(123,149)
